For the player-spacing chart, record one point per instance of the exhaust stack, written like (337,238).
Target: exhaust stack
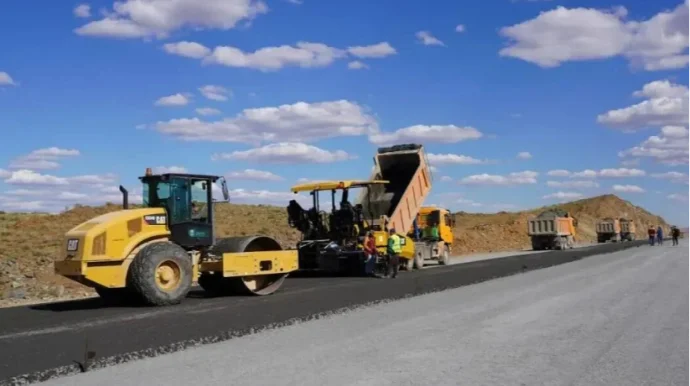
(125,197)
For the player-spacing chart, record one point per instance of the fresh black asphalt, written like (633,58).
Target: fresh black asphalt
(43,341)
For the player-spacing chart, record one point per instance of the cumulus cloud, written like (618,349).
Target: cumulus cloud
(587,173)
(6,79)
(426,38)
(675,177)
(253,174)
(300,121)
(446,179)
(558,173)
(524,155)
(215,93)
(427,133)
(572,184)
(628,189)
(187,49)
(678,197)
(517,178)
(670,147)
(266,197)
(457,159)
(178,99)
(43,159)
(303,54)
(29,177)
(577,34)
(460,28)
(380,50)
(82,10)
(563,196)
(356,65)
(159,18)
(286,153)
(207,111)
(621,172)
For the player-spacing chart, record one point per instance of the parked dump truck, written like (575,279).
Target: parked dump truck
(627,229)
(552,229)
(432,233)
(608,229)
(155,253)
(390,199)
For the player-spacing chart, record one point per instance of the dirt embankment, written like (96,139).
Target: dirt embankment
(30,242)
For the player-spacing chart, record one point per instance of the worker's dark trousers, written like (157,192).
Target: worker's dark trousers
(651,240)
(675,240)
(393,263)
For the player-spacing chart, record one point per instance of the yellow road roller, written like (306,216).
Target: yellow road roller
(156,252)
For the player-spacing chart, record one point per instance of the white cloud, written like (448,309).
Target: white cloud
(468,202)
(6,79)
(563,196)
(296,122)
(303,54)
(426,133)
(630,162)
(173,100)
(187,49)
(426,38)
(207,111)
(587,173)
(82,10)
(158,18)
(662,88)
(286,153)
(621,172)
(628,189)
(675,177)
(670,147)
(558,173)
(5,173)
(460,28)
(29,177)
(253,174)
(524,155)
(169,169)
(678,197)
(562,35)
(446,179)
(572,184)
(380,50)
(356,65)
(458,159)
(215,93)
(518,178)
(43,159)
(265,196)
(92,179)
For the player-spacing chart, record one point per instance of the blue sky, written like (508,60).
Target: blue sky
(271,92)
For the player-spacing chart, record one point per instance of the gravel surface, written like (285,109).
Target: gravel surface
(613,319)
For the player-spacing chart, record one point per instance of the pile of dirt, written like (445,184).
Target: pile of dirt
(508,231)
(30,242)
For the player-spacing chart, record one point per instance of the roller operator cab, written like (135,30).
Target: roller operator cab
(432,232)
(157,251)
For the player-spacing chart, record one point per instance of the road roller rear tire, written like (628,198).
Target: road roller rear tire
(259,285)
(161,274)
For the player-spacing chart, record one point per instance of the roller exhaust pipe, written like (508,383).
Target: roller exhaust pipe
(125,197)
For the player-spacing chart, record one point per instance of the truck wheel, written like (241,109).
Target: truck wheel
(161,274)
(419,260)
(410,264)
(445,256)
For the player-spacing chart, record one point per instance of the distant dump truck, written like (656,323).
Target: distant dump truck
(552,229)
(432,233)
(608,229)
(615,230)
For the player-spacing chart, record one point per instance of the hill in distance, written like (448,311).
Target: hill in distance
(30,241)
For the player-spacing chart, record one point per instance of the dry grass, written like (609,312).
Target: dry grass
(31,241)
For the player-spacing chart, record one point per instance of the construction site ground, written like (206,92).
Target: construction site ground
(614,319)
(43,341)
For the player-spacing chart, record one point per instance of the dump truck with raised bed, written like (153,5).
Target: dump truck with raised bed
(627,229)
(156,252)
(552,229)
(390,199)
(608,229)
(432,232)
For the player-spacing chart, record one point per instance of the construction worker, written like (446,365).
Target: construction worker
(675,233)
(370,252)
(652,234)
(660,235)
(394,248)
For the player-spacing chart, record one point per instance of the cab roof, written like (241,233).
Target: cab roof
(167,176)
(332,185)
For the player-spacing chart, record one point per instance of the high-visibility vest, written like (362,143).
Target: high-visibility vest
(396,243)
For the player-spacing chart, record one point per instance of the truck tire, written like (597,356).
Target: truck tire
(161,274)
(418,260)
(444,259)
(410,263)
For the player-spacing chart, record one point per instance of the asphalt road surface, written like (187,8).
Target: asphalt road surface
(44,341)
(617,319)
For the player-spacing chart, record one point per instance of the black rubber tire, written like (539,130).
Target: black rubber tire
(214,284)
(410,263)
(142,273)
(418,261)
